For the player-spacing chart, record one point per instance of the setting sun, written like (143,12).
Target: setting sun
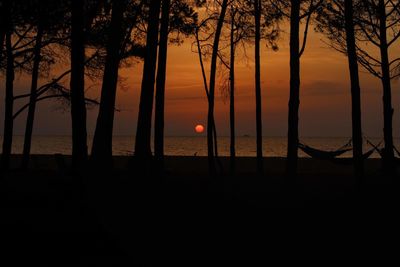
(199,128)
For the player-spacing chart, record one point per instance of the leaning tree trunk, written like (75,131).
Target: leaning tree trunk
(32,100)
(78,107)
(355,90)
(160,86)
(257,9)
(294,98)
(9,103)
(232,96)
(102,140)
(143,131)
(213,70)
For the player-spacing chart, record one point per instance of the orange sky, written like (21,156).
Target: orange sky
(325,97)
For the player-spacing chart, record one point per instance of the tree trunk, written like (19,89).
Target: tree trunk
(102,140)
(355,91)
(78,107)
(213,70)
(3,27)
(294,98)
(9,103)
(257,13)
(160,85)
(32,100)
(143,131)
(2,37)
(203,72)
(388,158)
(232,95)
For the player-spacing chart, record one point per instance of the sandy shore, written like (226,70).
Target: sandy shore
(121,219)
(192,164)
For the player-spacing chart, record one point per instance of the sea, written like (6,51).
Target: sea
(193,145)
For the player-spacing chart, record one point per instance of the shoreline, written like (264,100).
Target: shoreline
(199,164)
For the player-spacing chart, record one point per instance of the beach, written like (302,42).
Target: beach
(52,216)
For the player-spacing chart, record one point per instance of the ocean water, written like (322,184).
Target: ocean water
(190,146)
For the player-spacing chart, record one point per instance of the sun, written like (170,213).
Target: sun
(199,128)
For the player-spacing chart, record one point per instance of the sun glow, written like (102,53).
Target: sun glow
(199,128)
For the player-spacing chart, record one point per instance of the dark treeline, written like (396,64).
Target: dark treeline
(101,37)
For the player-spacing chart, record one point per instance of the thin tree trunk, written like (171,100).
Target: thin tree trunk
(387,92)
(78,107)
(9,103)
(143,131)
(32,100)
(257,9)
(203,72)
(355,91)
(102,140)
(2,37)
(213,70)
(294,98)
(160,85)
(232,95)
(3,27)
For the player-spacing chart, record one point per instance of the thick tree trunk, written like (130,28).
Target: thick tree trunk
(294,98)
(232,96)
(78,107)
(9,103)
(32,100)
(213,70)
(160,85)
(143,131)
(102,141)
(257,9)
(355,90)
(388,158)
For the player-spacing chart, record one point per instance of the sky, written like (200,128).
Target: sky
(325,108)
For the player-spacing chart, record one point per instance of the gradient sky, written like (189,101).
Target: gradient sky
(325,96)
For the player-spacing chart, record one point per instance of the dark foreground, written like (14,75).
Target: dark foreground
(53,218)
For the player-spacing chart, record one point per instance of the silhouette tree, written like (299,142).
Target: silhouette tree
(15,48)
(78,108)
(27,50)
(232,148)
(47,20)
(176,16)
(203,50)
(8,122)
(102,141)
(143,131)
(33,97)
(299,10)
(337,20)
(160,85)
(3,23)
(257,19)
(376,25)
(213,70)
(355,89)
